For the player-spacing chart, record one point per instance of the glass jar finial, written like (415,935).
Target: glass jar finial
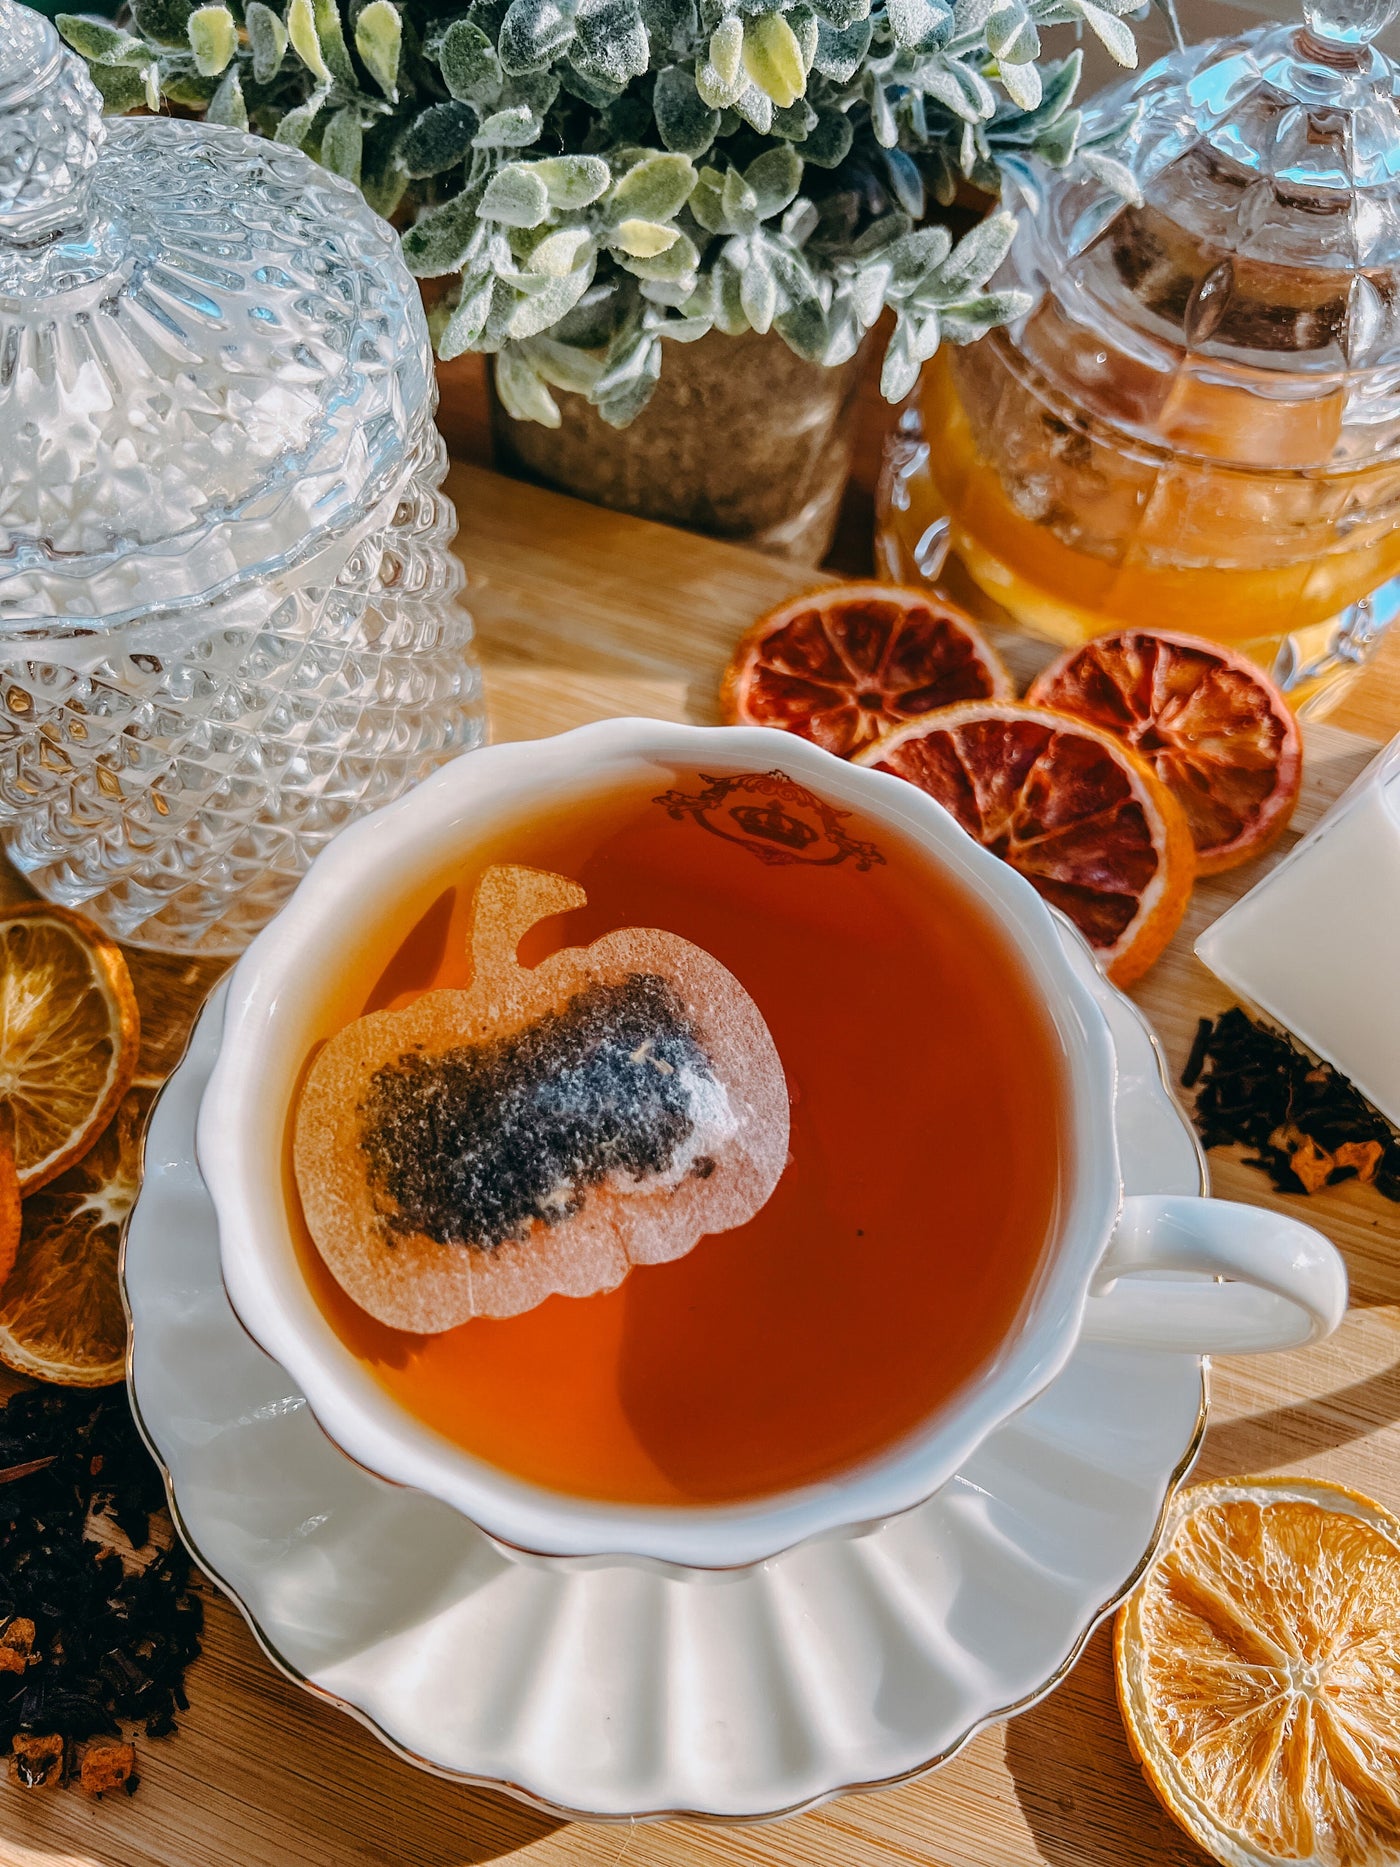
(1347,22)
(50,128)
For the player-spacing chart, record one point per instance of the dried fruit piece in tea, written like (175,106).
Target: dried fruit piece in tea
(1308,1126)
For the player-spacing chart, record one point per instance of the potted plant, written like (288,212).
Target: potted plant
(672,224)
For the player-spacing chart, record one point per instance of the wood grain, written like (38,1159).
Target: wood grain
(583,614)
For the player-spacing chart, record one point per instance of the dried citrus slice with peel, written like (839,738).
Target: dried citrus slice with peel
(1212,725)
(1258,1671)
(69,1036)
(10,1214)
(844,666)
(61,1316)
(1085,820)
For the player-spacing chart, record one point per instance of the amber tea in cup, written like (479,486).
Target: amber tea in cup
(900,1231)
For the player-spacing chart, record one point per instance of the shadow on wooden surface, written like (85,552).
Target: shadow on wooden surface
(1081,1792)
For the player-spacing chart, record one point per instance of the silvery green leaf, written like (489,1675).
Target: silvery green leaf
(916,256)
(687,124)
(534,32)
(565,366)
(970,16)
(906,182)
(654,189)
(758,290)
(773,179)
(868,289)
(829,143)
(773,58)
(805,27)
(560,252)
(682,330)
(800,221)
(342,143)
(642,239)
(843,341)
(924,334)
(841,50)
(123,87)
(964,323)
(672,25)
(470,68)
(1061,81)
(522,393)
(675,266)
(95,39)
(573,181)
(1113,174)
(542,310)
(226,106)
(941,82)
(295,127)
(1021,84)
(213,39)
(332,37)
(940,176)
(623,390)
(1011,35)
(515,128)
(975,257)
(729,300)
(267,38)
(713,89)
(795,123)
(727,53)
(756,108)
(707,206)
(739,202)
(1116,38)
(161,22)
(803,328)
(306,42)
(439,242)
(967,148)
(901,367)
(378,40)
(611,41)
(437,139)
(920,25)
(882,116)
(842,13)
(1056,145)
(515,196)
(467,319)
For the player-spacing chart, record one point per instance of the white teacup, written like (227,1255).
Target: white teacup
(1281,1283)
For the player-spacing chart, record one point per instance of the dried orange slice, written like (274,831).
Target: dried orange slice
(61,1316)
(10,1214)
(1070,807)
(1258,1673)
(846,665)
(1213,727)
(69,1036)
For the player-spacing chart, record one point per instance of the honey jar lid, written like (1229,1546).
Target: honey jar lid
(212,358)
(1245,238)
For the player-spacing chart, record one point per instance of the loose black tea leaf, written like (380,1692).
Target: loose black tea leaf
(1307,1125)
(98,1614)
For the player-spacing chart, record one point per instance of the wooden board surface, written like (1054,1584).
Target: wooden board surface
(583,614)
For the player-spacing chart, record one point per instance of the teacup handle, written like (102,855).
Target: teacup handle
(1286,1283)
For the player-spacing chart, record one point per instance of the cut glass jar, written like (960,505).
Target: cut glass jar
(229,617)
(1197,422)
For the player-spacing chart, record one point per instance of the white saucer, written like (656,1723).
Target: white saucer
(611,1691)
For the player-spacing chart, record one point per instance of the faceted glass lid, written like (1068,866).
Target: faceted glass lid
(211,355)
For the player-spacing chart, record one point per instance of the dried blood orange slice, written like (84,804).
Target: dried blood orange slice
(1068,806)
(846,665)
(544,1130)
(1258,1674)
(1213,727)
(11,1216)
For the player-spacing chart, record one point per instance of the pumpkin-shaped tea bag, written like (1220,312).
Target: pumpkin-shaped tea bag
(543,1130)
